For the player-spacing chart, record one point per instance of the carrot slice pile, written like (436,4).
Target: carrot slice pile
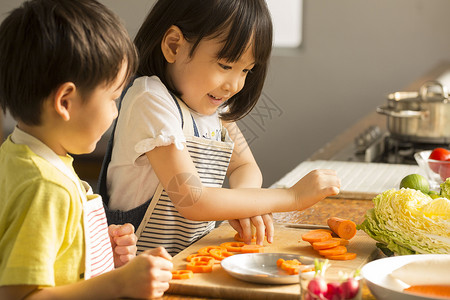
(345,229)
(182,274)
(330,247)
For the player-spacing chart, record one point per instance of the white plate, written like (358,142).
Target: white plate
(262,267)
(383,285)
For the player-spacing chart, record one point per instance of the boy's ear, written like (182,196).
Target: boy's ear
(63,98)
(171,43)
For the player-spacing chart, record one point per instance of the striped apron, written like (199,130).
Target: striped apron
(98,252)
(162,224)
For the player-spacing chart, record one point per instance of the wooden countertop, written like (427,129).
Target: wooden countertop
(344,208)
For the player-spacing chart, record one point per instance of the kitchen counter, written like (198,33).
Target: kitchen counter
(353,209)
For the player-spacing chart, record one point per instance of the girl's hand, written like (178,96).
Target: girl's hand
(263,225)
(315,186)
(147,275)
(123,242)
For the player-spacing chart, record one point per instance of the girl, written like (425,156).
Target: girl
(203,65)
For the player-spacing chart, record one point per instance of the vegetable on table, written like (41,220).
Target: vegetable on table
(314,236)
(345,229)
(415,182)
(238,238)
(333,251)
(182,274)
(201,264)
(407,221)
(205,250)
(252,249)
(220,254)
(344,256)
(232,246)
(438,154)
(430,290)
(326,244)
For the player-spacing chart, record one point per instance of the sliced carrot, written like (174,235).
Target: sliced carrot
(189,258)
(316,236)
(343,242)
(182,274)
(280,262)
(220,254)
(201,264)
(333,251)
(345,256)
(430,290)
(322,229)
(345,229)
(306,268)
(205,250)
(252,249)
(238,238)
(325,244)
(291,266)
(232,246)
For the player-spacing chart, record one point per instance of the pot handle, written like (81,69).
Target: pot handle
(423,91)
(388,111)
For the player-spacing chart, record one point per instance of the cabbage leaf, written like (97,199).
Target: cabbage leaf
(406,221)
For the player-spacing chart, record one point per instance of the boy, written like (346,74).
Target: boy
(62,65)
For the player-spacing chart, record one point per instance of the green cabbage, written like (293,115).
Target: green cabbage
(445,188)
(406,221)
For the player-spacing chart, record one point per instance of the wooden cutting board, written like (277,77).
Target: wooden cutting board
(219,284)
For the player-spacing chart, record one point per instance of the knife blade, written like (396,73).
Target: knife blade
(306,226)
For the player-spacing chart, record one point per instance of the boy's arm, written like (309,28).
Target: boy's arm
(146,276)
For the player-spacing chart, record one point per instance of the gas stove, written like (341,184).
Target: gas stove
(376,145)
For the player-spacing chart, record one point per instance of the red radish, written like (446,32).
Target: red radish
(317,286)
(334,291)
(350,288)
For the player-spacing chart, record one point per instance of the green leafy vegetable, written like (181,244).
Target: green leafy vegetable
(406,221)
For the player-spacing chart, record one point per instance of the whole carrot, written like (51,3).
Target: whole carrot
(345,229)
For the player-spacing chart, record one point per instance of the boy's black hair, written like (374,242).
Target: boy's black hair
(45,43)
(241,21)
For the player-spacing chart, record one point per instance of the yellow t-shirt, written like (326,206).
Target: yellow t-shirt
(41,220)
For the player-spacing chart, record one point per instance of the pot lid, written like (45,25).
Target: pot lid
(431,91)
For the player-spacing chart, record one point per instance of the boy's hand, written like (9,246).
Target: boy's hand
(263,225)
(147,275)
(123,242)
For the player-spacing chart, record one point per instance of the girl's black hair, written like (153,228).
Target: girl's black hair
(240,21)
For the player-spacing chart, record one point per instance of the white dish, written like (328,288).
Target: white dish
(262,267)
(377,275)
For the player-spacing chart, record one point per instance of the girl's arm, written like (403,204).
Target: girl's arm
(243,172)
(180,179)
(145,276)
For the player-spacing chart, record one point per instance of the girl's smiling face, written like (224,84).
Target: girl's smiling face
(205,82)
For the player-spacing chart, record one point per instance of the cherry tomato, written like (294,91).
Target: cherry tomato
(438,154)
(444,170)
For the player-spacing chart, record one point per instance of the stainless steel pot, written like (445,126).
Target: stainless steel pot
(422,116)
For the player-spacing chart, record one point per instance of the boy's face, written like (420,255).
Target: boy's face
(91,118)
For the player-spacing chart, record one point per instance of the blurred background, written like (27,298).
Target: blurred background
(352,54)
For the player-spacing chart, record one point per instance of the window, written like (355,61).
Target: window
(287,22)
